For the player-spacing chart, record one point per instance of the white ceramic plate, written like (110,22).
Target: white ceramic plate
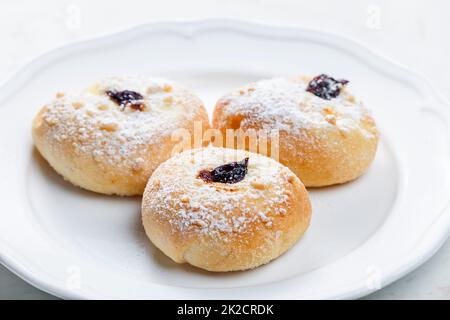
(77,244)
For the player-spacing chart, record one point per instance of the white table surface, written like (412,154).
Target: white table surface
(414,33)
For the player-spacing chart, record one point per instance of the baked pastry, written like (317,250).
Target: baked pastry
(223,209)
(325,136)
(111,137)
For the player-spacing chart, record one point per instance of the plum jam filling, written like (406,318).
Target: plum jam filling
(127,98)
(326,87)
(228,173)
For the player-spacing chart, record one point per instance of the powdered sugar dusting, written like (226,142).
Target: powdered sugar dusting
(98,127)
(217,210)
(284,104)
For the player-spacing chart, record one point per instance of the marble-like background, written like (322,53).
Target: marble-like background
(415,33)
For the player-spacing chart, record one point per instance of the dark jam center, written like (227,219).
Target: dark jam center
(228,173)
(127,98)
(326,87)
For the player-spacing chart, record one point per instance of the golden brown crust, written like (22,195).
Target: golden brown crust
(224,227)
(323,142)
(100,146)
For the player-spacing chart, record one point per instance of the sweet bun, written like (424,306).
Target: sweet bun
(326,136)
(111,137)
(223,209)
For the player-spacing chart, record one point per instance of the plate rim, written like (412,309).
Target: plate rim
(440,228)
